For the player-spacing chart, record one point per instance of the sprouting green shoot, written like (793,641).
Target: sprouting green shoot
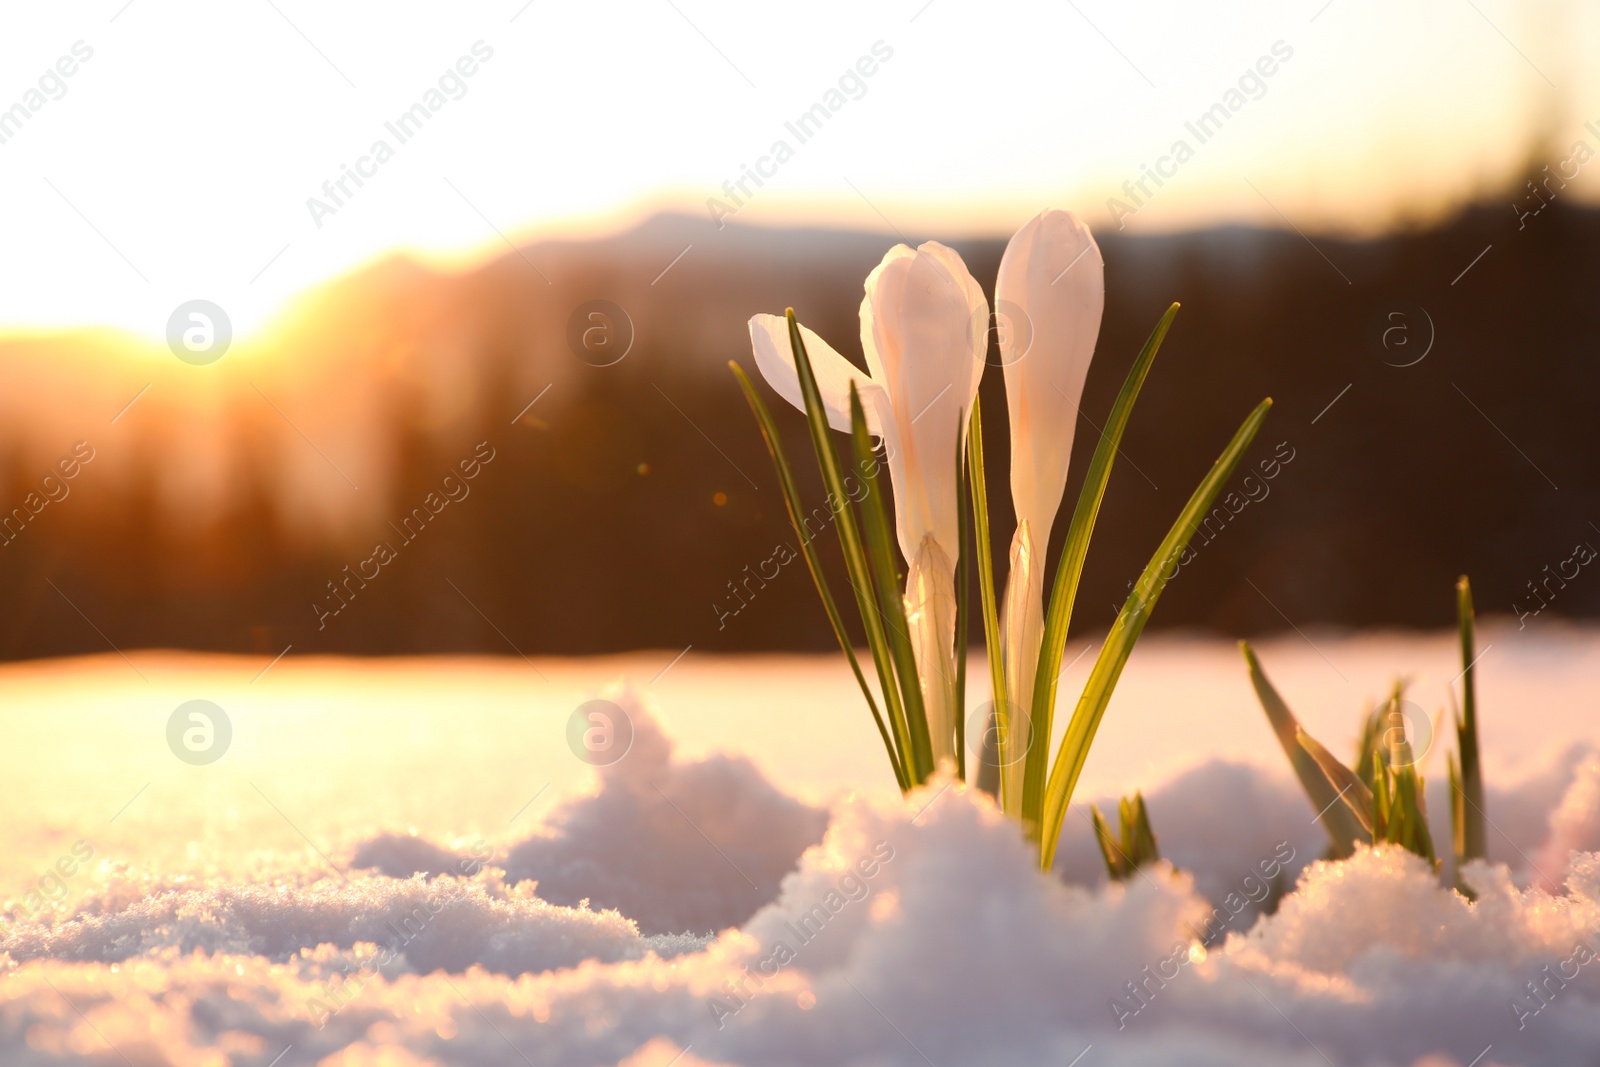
(1391,811)
(1342,827)
(1382,730)
(1468,820)
(1135,844)
(1372,731)
(1400,816)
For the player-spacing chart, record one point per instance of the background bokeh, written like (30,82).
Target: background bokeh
(1392,234)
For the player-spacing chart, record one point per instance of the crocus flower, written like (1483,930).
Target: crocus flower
(1048,300)
(924,327)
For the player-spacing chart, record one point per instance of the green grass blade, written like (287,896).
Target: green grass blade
(1134,846)
(1342,827)
(1372,734)
(1109,851)
(991,612)
(1125,632)
(1419,838)
(1382,803)
(963,611)
(881,554)
(1365,805)
(1069,570)
(791,501)
(855,556)
(1144,835)
(1457,813)
(1473,833)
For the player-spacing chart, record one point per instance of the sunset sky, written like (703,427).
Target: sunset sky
(181,156)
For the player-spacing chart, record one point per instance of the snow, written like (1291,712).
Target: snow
(201,926)
(625,845)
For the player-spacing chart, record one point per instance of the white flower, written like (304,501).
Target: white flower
(1048,298)
(924,328)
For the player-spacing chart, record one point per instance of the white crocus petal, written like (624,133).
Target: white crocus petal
(1022,628)
(1049,297)
(930,601)
(923,323)
(769,340)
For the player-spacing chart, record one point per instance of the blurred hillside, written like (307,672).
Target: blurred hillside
(220,508)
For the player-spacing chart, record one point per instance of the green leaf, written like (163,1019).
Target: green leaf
(1144,835)
(1370,743)
(1347,785)
(1068,572)
(791,501)
(1400,815)
(963,610)
(1418,838)
(1471,830)
(1135,844)
(1383,804)
(1124,633)
(881,554)
(985,554)
(1342,827)
(915,763)
(1108,845)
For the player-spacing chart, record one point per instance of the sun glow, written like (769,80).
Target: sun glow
(155,172)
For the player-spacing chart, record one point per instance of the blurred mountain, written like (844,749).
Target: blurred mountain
(1433,389)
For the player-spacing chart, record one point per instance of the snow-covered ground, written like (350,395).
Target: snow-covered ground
(404,862)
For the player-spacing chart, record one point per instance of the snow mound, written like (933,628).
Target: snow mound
(674,845)
(449,924)
(404,855)
(902,933)
(1217,822)
(913,932)
(1575,824)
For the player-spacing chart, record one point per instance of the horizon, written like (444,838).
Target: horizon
(463,263)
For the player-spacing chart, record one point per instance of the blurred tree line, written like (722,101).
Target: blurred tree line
(622,509)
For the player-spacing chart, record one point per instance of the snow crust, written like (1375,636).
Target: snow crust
(881,932)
